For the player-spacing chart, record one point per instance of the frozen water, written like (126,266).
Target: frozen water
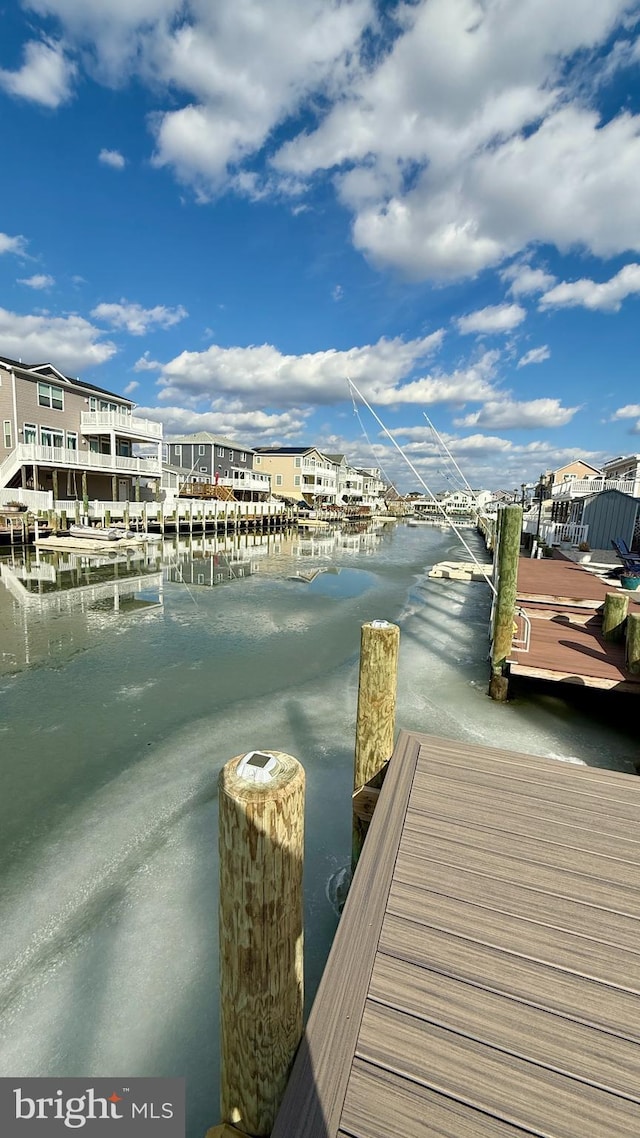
(121,699)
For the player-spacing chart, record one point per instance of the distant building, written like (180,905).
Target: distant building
(208,458)
(299,473)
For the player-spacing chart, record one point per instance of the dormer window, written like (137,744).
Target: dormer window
(50,396)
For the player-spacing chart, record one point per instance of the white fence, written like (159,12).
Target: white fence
(183,510)
(35,500)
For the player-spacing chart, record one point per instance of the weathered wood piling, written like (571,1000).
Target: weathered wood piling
(614,616)
(504,607)
(375,723)
(632,647)
(261,811)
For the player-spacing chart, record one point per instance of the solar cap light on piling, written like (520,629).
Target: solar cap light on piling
(261,829)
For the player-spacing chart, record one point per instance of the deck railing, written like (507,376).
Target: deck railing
(580,487)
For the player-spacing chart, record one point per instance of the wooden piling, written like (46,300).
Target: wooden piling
(261,809)
(632,650)
(376,716)
(614,615)
(504,609)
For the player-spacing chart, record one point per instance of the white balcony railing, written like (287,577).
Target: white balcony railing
(96,422)
(84,459)
(247,480)
(580,487)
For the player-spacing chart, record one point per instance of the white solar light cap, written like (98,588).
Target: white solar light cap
(380,624)
(257,766)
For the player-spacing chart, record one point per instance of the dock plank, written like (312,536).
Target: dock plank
(585,1053)
(486,1079)
(485,978)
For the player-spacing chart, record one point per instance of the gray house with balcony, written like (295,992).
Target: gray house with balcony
(70,437)
(213,459)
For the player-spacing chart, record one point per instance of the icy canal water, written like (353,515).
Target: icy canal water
(125,684)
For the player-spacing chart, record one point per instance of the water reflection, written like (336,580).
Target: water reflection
(53,602)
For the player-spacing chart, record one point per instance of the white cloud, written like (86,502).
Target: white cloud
(262,375)
(525,280)
(69,342)
(147,364)
(246,67)
(112,158)
(534,356)
(468,141)
(631,411)
(505,413)
(12,244)
(136,319)
(337,292)
(131,387)
(471,100)
(45,76)
(37,281)
(604,297)
(494,318)
(253,427)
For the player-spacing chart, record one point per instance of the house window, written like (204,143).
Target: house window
(177,452)
(296,480)
(298,461)
(243,457)
(50,396)
(30,433)
(123,448)
(257,460)
(106,406)
(46,437)
(220,452)
(6,430)
(203,470)
(201,449)
(93,403)
(72,440)
(278,480)
(231,455)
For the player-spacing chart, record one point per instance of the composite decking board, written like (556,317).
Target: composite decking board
(582,798)
(460,756)
(513,1089)
(603,924)
(585,1053)
(576,651)
(380,1104)
(610,1008)
(448,906)
(583,955)
(446,797)
(560,578)
(313,1101)
(424,828)
(415,856)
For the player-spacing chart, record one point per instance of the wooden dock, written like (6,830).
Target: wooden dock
(562,601)
(485,975)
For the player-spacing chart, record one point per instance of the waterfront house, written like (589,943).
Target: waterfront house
(208,458)
(373,486)
(69,439)
(349,481)
(299,473)
(621,474)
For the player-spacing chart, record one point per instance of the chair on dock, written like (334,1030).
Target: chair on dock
(629,560)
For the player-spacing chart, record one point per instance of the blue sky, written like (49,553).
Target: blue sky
(226,209)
